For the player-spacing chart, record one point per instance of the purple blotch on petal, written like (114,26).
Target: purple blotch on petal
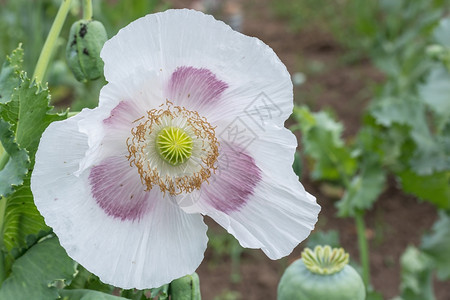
(121,114)
(196,86)
(235,180)
(118,191)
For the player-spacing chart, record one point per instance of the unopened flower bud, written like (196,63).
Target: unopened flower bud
(186,288)
(86,40)
(321,274)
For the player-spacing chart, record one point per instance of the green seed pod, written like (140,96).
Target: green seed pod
(186,288)
(86,40)
(321,274)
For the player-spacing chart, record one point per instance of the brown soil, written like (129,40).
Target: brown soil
(396,221)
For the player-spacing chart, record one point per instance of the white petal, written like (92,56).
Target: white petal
(276,214)
(121,102)
(186,38)
(162,245)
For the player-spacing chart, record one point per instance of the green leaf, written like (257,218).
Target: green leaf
(298,164)
(87,295)
(389,144)
(321,139)
(442,32)
(432,153)
(29,113)
(162,292)
(17,159)
(434,188)
(135,294)
(372,295)
(436,91)
(23,224)
(364,189)
(186,288)
(437,245)
(36,272)
(86,280)
(416,275)
(9,75)
(403,111)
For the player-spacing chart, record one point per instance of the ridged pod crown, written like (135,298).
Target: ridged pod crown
(325,260)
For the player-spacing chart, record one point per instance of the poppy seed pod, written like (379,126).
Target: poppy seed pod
(319,274)
(86,40)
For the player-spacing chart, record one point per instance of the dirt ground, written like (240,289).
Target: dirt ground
(396,221)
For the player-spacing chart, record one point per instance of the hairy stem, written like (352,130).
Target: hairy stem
(87,9)
(49,44)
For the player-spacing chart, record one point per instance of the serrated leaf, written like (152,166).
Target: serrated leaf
(34,274)
(434,188)
(87,295)
(437,245)
(389,110)
(416,275)
(321,138)
(364,189)
(16,167)
(436,91)
(432,153)
(22,223)
(9,75)
(29,113)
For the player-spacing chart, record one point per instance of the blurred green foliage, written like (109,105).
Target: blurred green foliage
(28,22)
(406,128)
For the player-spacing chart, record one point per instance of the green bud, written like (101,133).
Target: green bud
(186,288)
(86,40)
(321,274)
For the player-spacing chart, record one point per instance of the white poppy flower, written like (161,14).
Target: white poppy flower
(191,123)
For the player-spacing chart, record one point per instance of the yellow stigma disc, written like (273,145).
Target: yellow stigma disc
(174,145)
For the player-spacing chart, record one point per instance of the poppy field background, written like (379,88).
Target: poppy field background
(372,94)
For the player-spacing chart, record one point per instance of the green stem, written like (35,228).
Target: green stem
(2,254)
(2,268)
(4,157)
(49,44)
(2,218)
(87,9)
(363,247)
